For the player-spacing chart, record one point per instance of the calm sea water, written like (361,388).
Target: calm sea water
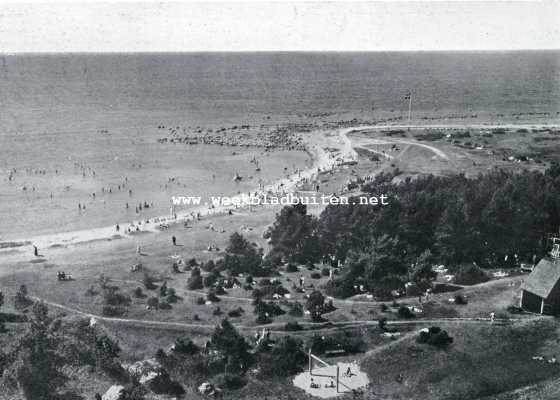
(44,92)
(52,107)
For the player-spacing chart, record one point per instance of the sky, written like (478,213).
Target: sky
(150,26)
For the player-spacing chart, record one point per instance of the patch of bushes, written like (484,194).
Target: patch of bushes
(211,296)
(286,358)
(315,275)
(149,281)
(263,319)
(153,302)
(162,384)
(195,282)
(435,336)
(291,268)
(296,309)
(270,308)
(235,313)
(470,274)
(185,346)
(164,305)
(405,312)
(460,299)
(21,300)
(113,311)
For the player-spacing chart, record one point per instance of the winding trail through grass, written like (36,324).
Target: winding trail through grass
(319,327)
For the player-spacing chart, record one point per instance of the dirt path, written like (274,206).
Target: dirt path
(321,327)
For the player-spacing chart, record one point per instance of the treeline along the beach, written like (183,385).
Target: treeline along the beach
(497,219)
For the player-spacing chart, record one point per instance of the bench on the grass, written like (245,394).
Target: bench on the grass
(335,352)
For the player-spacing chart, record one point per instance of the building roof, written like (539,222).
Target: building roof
(543,278)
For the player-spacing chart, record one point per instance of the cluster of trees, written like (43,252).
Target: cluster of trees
(497,219)
(36,363)
(227,357)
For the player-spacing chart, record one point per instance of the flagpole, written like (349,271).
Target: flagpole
(409,106)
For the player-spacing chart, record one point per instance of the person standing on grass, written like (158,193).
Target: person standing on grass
(492,315)
(174,240)
(35,251)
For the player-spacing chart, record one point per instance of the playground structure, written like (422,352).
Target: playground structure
(330,380)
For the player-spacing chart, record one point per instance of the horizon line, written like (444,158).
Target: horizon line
(78,52)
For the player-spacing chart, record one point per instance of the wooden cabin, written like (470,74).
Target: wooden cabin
(540,292)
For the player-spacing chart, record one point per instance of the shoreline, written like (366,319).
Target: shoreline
(322,160)
(316,144)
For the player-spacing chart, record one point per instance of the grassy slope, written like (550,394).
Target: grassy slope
(483,360)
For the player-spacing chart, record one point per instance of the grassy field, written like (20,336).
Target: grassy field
(483,360)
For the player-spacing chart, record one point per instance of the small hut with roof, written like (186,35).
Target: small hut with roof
(540,292)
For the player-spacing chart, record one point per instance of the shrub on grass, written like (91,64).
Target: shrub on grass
(470,274)
(195,282)
(211,296)
(208,266)
(113,311)
(263,319)
(172,296)
(210,279)
(315,275)
(164,305)
(291,268)
(113,297)
(286,358)
(434,336)
(217,311)
(235,313)
(405,312)
(21,300)
(200,301)
(325,271)
(163,289)
(153,302)
(296,309)
(270,308)
(340,288)
(185,346)
(219,290)
(163,384)
(138,293)
(460,299)
(149,281)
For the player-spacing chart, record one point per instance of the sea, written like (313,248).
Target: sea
(69,113)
